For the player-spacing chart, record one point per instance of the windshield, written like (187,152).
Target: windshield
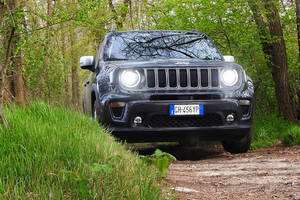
(160,45)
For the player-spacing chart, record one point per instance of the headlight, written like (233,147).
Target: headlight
(229,77)
(130,78)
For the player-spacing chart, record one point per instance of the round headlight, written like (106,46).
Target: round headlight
(130,78)
(229,77)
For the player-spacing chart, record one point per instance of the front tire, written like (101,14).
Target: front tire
(83,108)
(241,146)
(95,111)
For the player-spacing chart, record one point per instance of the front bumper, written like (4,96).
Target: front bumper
(157,125)
(139,134)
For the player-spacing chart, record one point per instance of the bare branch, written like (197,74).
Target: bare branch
(44,27)
(8,46)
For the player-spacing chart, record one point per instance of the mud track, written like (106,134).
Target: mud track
(210,173)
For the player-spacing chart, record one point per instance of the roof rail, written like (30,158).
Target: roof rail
(112,31)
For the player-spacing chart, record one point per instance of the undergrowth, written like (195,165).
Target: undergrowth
(272,130)
(53,153)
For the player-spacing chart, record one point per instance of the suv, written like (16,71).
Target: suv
(166,86)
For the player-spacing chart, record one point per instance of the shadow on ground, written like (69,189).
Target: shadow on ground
(181,152)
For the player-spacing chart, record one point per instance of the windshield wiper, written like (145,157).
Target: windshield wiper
(115,59)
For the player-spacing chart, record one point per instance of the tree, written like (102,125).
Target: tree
(14,83)
(45,51)
(120,16)
(298,35)
(3,60)
(297,2)
(74,66)
(17,56)
(276,51)
(274,48)
(250,30)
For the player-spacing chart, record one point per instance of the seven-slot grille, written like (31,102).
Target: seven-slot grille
(182,78)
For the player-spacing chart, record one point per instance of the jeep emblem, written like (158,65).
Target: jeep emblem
(182,63)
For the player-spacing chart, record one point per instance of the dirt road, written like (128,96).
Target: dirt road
(211,173)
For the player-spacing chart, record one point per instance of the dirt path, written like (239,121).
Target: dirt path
(211,173)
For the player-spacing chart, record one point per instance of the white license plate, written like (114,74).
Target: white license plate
(187,109)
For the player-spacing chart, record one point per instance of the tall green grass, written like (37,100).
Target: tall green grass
(272,130)
(52,153)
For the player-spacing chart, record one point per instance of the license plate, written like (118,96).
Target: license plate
(187,109)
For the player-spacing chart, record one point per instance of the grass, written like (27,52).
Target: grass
(52,153)
(272,130)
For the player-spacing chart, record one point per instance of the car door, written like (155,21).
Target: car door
(87,93)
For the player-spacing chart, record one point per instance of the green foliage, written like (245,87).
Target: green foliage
(52,153)
(231,25)
(101,168)
(269,130)
(160,159)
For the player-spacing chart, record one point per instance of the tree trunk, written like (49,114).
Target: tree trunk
(2,11)
(14,85)
(262,30)
(2,79)
(18,79)
(139,14)
(298,23)
(75,77)
(46,62)
(298,34)
(67,81)
(278,59)
(131,15)
(3,64)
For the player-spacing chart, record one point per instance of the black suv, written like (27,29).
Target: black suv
(162,85)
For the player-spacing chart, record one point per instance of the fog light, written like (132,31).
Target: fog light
(230,118)
(137,121)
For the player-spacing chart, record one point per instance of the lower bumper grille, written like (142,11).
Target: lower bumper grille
(160,121)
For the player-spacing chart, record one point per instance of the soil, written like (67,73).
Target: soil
(208,172)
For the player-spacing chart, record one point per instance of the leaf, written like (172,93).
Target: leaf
(170,157)
(96,168)
(162,164)
(101,168)
(66,175)
(107,169)
(160,159)
(158,153)
(115,157)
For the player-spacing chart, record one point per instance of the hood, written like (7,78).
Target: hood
(166,63)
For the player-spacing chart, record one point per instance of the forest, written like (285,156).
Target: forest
(50,150)
(41,43)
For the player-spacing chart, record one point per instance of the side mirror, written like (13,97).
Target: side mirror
(87,62)
(228,58)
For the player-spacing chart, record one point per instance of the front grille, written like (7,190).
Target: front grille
(160,121)
(182,78)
